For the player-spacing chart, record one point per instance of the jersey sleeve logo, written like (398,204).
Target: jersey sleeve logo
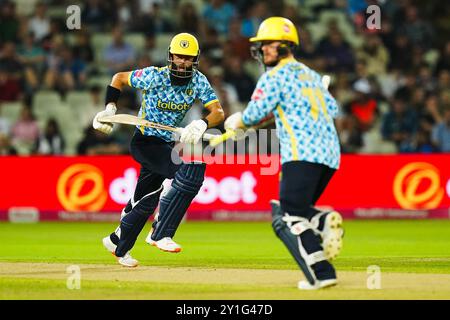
(138,73)
(258,94)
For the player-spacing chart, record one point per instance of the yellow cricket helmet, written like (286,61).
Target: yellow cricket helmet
(184,44)
(187,45)
(276,29)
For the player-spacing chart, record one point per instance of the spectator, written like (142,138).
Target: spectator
(189,20)
(5,125)
(82,48)
(374,54)
(425,78)
(51,142)
(124,14)
(154,21)
(443,84)
(400,124)
(255,15)
(418,31)
(290,12)
(10,61)
(119,55)
(25,131)
(422,143)
(225,92)
(6,149)
(158,57)
(9,86)
(55,34)
(306,51)
(9,23)
(33,59)
(236,76)
(39,23)
(363,107)
(428,113)
(441,132)
(351,135)
(158,23)
(400,53)
(217,14)
(336,52)
(69,74)
(96,143)
(238,44)
(212,47)
(11,73)
(95,15)
(342,89)
(444,58)
(146,7)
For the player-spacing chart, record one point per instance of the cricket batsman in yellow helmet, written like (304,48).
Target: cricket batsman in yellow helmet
(168,93)
(298,98)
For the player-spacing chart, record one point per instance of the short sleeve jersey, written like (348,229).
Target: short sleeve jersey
(166,104)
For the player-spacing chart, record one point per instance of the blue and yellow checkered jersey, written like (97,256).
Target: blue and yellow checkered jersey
(303,111)
(166,104)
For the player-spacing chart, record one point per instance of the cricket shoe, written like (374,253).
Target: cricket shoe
(329,226)
(319,284)
(332,235)
(165,244)
(127,260)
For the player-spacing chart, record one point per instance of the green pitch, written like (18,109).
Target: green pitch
(34,258)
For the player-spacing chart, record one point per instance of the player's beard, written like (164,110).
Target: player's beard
(180,78)
(272,64)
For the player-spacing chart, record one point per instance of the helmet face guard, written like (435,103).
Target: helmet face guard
(284,48)
(256,51)
(183,74)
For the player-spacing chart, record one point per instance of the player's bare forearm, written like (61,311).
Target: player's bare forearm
(216,114)
(120,80)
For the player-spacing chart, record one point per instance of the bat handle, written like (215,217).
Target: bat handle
(209,136)
(219,139)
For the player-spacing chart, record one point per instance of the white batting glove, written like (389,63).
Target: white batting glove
(102,126)
(326,81)
(193,132)
(233,122)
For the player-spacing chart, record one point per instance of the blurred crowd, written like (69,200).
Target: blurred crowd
(392,83)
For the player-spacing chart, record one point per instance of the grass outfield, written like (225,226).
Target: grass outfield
(222,260)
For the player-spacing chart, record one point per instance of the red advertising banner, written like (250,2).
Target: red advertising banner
(97,188)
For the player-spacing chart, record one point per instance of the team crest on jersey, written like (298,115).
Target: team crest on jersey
(189,92)
(258,94)
(184,44)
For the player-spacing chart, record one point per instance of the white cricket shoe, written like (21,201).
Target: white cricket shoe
(332,235)
(305,285)
(165,244)
(127,260)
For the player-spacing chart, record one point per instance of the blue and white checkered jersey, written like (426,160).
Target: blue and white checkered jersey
(303,111)
(166,104)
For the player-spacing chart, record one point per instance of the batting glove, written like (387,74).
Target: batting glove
(326,81)
(233,122)
(193,132)
(102,126)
